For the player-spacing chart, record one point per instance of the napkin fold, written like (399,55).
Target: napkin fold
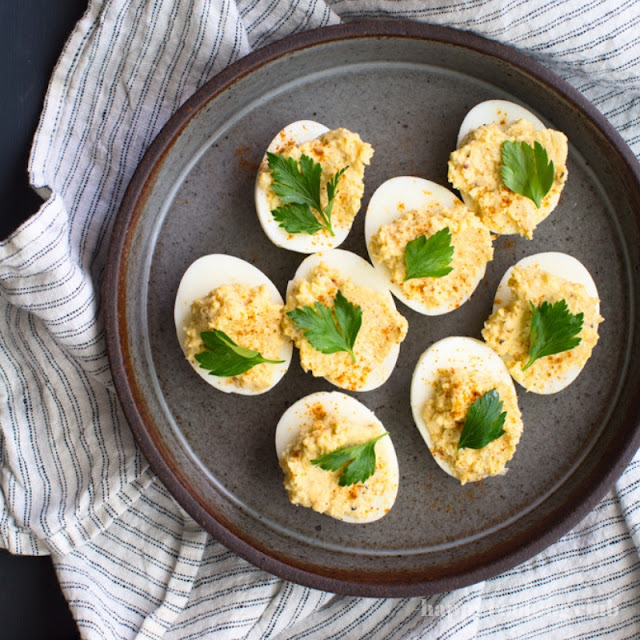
(131,562)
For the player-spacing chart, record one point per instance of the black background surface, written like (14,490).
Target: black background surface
(32,33)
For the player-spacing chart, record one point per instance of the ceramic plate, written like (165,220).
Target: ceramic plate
(405,88)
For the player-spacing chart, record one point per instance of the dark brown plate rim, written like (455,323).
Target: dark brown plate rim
(114,297)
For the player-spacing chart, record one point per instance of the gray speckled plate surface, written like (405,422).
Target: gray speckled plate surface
(405,88)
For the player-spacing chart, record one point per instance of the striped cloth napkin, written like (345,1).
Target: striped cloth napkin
(131,562)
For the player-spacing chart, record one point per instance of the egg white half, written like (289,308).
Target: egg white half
(563,266)
(203,276)
(297,132)
(363,274)
(300,416)
(391,200)
(454,352)
(495,111)
(498,112)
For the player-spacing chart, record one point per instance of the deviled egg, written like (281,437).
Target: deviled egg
(450,377)
(545,279)
(325,423)
(310,185)
(426,243)
(228,317)
(342,317)
(477,167)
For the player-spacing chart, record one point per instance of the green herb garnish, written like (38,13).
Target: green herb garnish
(297,218)
(429,257)
(357,462)
(297,184)
(527,171)
(225,358)
(330,330)
(554,329)
(484,422)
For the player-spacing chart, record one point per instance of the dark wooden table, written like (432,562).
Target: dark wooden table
(33,33)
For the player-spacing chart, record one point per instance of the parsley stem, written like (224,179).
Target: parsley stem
(326,217)
(532,359)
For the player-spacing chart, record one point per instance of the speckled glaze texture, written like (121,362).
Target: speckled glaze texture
(404,89)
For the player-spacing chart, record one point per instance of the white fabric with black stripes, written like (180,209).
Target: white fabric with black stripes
(131,563)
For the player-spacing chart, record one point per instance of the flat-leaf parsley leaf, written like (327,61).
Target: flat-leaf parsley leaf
(429,257)
(527,171)
(226,358)
(358,462)
(484,422)
(297,218)
(554,329)
(297,184)
(330,330)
